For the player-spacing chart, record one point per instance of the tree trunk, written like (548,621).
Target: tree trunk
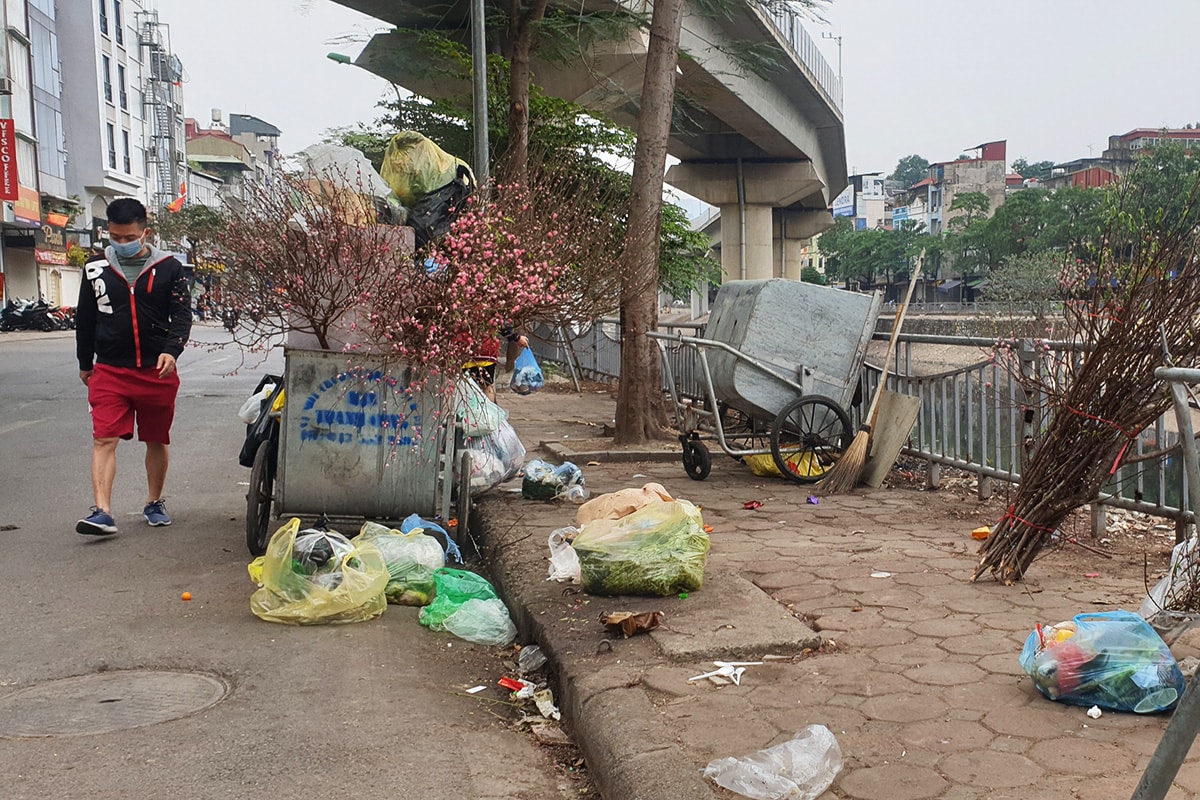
(521,33)
(640,397)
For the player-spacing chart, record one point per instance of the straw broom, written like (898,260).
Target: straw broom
(845,474)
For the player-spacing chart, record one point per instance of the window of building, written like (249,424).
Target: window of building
(45,58)
(106,63)
(125,151)
(16,16)
(112,146)
(121,86)
(22,79)
(44,6)
(118,33)
(51,158)
(104,17)
(27,162)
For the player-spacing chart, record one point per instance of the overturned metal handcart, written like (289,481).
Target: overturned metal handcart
(779,368)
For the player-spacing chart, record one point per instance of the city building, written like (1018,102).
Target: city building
(864,200)
(260,138)
(215,152)
(1118,157)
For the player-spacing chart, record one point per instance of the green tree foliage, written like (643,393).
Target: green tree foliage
(910,170)
(1029,283)
(1039,170)
(1158,191)
(195,227)
(870,256)
(685,260)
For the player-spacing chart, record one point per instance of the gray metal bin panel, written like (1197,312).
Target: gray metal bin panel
(347,446)
(813,335)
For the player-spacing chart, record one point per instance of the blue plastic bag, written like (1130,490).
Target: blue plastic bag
(1111,659)
(414,521)
(527,375)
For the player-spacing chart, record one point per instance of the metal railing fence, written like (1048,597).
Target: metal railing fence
(974,418)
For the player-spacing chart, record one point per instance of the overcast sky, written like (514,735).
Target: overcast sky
(933,77)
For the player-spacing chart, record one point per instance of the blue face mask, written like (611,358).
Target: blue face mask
(128,249)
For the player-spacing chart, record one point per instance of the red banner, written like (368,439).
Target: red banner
(8,160)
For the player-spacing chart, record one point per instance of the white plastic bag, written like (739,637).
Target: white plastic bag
(1161,608)
(800,769)
(495,457)
(250,409)
(564,562)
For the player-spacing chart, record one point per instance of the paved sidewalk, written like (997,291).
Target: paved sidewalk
(917,677)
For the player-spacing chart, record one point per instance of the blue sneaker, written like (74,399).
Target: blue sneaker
(98,523)
(156,514)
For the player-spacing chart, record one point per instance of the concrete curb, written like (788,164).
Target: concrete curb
(564,453)
(631,751)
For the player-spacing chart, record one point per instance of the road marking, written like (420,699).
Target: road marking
(16,426)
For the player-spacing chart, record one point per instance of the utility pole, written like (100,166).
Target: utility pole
(479,92)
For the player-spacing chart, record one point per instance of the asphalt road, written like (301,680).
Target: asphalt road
(371,709)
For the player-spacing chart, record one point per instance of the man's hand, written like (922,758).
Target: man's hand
(523,340)
(85,375)
(166,364)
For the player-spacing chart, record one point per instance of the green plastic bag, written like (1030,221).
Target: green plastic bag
(411,560)
(414,166)
(467,606)
(317,577)
(660,549)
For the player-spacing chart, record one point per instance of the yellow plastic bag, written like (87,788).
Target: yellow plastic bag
(318,577)
(413,166)
(804,463)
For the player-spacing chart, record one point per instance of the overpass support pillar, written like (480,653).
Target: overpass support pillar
(755,250)
(793,232)
(749,192)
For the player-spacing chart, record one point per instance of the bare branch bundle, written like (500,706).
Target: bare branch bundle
(1139,292)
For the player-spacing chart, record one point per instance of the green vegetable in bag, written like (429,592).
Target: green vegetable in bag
(660,549)
(411,560)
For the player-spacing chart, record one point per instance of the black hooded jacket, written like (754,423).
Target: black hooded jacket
(130,326)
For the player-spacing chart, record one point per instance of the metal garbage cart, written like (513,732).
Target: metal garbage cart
(779,367)
(353,441)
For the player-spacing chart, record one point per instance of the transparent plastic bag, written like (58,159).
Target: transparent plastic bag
(495,458)
(1111,659)
(799,769)
(564,561)
(315,577)
(414,521)
(527,375)
(544,481)
(660,549)
(476,415)
(467,606)
(411,559)
(1165,607)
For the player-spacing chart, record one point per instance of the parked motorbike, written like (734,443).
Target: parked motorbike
(27,315)
(64,317)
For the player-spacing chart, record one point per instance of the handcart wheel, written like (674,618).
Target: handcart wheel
(697,462)
(808,437)
(259,498)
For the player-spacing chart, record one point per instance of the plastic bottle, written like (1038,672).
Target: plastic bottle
(577,494)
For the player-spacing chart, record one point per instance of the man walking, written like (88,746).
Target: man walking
(133,319)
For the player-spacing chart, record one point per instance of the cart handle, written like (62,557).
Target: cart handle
(699,343)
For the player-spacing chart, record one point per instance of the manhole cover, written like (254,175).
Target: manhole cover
(107,701)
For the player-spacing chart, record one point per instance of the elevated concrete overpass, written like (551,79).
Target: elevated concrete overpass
(767,149)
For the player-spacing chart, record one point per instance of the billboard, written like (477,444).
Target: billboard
(843,204)
(8,160)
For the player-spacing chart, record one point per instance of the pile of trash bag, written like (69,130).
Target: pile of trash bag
(467,606)
(1111,659)
(659,549)
(428,181)
(495,458)
(543,481)
(314,577)
(411,559)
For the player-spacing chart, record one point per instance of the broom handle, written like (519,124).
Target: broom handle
(874,407)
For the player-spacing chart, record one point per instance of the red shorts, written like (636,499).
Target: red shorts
(117,394)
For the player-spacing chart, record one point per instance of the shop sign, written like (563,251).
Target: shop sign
(8,160)
(28,206)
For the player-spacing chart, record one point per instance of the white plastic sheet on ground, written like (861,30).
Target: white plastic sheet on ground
(799,769)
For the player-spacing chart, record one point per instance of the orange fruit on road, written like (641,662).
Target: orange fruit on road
(185,596)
